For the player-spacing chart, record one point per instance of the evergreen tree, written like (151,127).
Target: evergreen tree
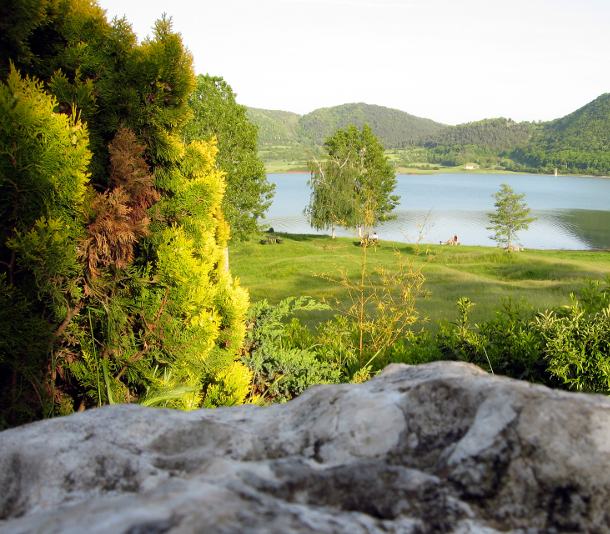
(123,280)
(511,216)
(43,162)
(217,115)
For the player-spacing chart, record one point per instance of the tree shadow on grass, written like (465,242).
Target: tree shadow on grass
(302,237)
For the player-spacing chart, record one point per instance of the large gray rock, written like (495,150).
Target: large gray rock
(442,447)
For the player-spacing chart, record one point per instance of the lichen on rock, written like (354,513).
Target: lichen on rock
(441,447)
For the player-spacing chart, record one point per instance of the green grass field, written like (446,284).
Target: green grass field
(436,169)
(484,274)
(284,158)
(283,167)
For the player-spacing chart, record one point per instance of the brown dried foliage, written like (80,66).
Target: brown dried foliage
(129,170)
(113,233)
(120,213)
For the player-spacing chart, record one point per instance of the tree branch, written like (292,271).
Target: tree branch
(71,314)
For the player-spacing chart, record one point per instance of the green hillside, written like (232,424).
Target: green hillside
(275,127)
(492,134)
(587,129)
(577,143)
(484,143)
(393,127)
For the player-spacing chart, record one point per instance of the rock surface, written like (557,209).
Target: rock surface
(442,447)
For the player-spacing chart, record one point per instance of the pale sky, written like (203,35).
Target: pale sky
(452,61)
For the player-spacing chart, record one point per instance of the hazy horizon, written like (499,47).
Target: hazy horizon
(451,61)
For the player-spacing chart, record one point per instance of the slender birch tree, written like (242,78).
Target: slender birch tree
(355,179)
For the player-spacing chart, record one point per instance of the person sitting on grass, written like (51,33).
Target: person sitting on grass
(369,239)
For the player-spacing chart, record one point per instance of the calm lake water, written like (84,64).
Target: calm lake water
(573,211)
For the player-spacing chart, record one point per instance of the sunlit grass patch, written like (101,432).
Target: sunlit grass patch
(483,274)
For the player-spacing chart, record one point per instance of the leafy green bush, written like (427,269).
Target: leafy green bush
(513,348)
(576,339)
(506,344)
(459,341)
(338,343)
(568,346)
(282,356)
(417,348)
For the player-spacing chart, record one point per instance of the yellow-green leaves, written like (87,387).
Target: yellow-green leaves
(43,155)
(218,117)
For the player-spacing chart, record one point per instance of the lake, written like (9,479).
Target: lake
(573,211)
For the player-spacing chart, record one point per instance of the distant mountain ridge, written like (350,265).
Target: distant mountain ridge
(394,128)
(578,143)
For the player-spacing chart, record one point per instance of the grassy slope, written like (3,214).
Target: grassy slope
(484,274)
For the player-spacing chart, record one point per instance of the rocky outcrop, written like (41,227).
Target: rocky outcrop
(442,447)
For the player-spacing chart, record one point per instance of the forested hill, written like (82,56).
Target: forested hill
(588,128)
(493,134)
(275,127)
(394,128)
(577,143)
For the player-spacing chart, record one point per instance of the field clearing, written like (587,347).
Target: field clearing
(276,162)
(545,278)
(437,169)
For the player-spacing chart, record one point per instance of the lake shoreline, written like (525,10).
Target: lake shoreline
(436,173)
(572,211)
(393,243)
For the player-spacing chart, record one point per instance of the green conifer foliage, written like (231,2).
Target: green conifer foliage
(165,305)
(120,287)
(43,181)
(205,310)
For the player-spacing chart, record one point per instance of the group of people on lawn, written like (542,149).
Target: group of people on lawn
(374,238)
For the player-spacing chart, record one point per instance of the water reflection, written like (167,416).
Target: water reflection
(593,227)
(568,209)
